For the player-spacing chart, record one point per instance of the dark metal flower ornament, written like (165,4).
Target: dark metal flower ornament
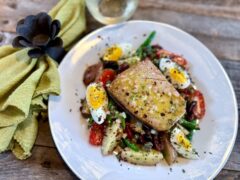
(40,34)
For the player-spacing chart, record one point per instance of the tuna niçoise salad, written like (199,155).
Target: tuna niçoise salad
(141,104)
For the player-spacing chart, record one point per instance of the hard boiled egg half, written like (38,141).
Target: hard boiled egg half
(97,101)
(118,51)
(174,73)
(182,145)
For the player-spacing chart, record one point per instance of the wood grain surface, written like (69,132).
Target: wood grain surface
(214,22)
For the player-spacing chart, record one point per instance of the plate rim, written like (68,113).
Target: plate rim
(232,142)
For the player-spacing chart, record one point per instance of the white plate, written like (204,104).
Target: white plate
(214,141)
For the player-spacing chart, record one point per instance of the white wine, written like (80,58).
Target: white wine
(112,11)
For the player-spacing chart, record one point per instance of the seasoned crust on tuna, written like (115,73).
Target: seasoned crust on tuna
(147,95)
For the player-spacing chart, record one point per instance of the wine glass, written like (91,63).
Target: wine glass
(112,11)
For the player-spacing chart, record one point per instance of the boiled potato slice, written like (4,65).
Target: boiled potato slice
(141,157)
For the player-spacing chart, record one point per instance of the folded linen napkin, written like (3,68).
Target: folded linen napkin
(26,82)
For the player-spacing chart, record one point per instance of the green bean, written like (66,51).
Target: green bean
(190,135)
(131,145)
(145,44)
(190,125)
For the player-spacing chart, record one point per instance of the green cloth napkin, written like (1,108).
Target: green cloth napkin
(26,82)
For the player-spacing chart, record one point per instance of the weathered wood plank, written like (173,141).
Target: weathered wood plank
(14,10)
(222,47)
(44,137)
(233,68)
(228,175)
(45,163)
(187,18)
(218,8)
(6,38)
(220,35)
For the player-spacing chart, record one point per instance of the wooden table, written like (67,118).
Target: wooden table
(214,22)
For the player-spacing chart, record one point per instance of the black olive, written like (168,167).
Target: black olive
(110,65)
(190,107)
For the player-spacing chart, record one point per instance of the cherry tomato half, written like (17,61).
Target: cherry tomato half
(96,134)
(107,75)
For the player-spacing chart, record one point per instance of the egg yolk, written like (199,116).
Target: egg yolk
(113,54)
(177,76)
(184,141)
(96,97)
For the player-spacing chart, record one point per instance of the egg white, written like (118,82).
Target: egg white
(166,64)
(99,115)
(126,51)
(189,153)
(126,48)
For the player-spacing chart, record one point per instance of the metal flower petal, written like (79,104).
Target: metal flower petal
(56,53)
(20,42)
(27,27)
(36,53)
(55,28)
(57,42)
(40,40)
(20,22)
(44,23)
(40,33)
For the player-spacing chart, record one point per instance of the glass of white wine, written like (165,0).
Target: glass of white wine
(112,11)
